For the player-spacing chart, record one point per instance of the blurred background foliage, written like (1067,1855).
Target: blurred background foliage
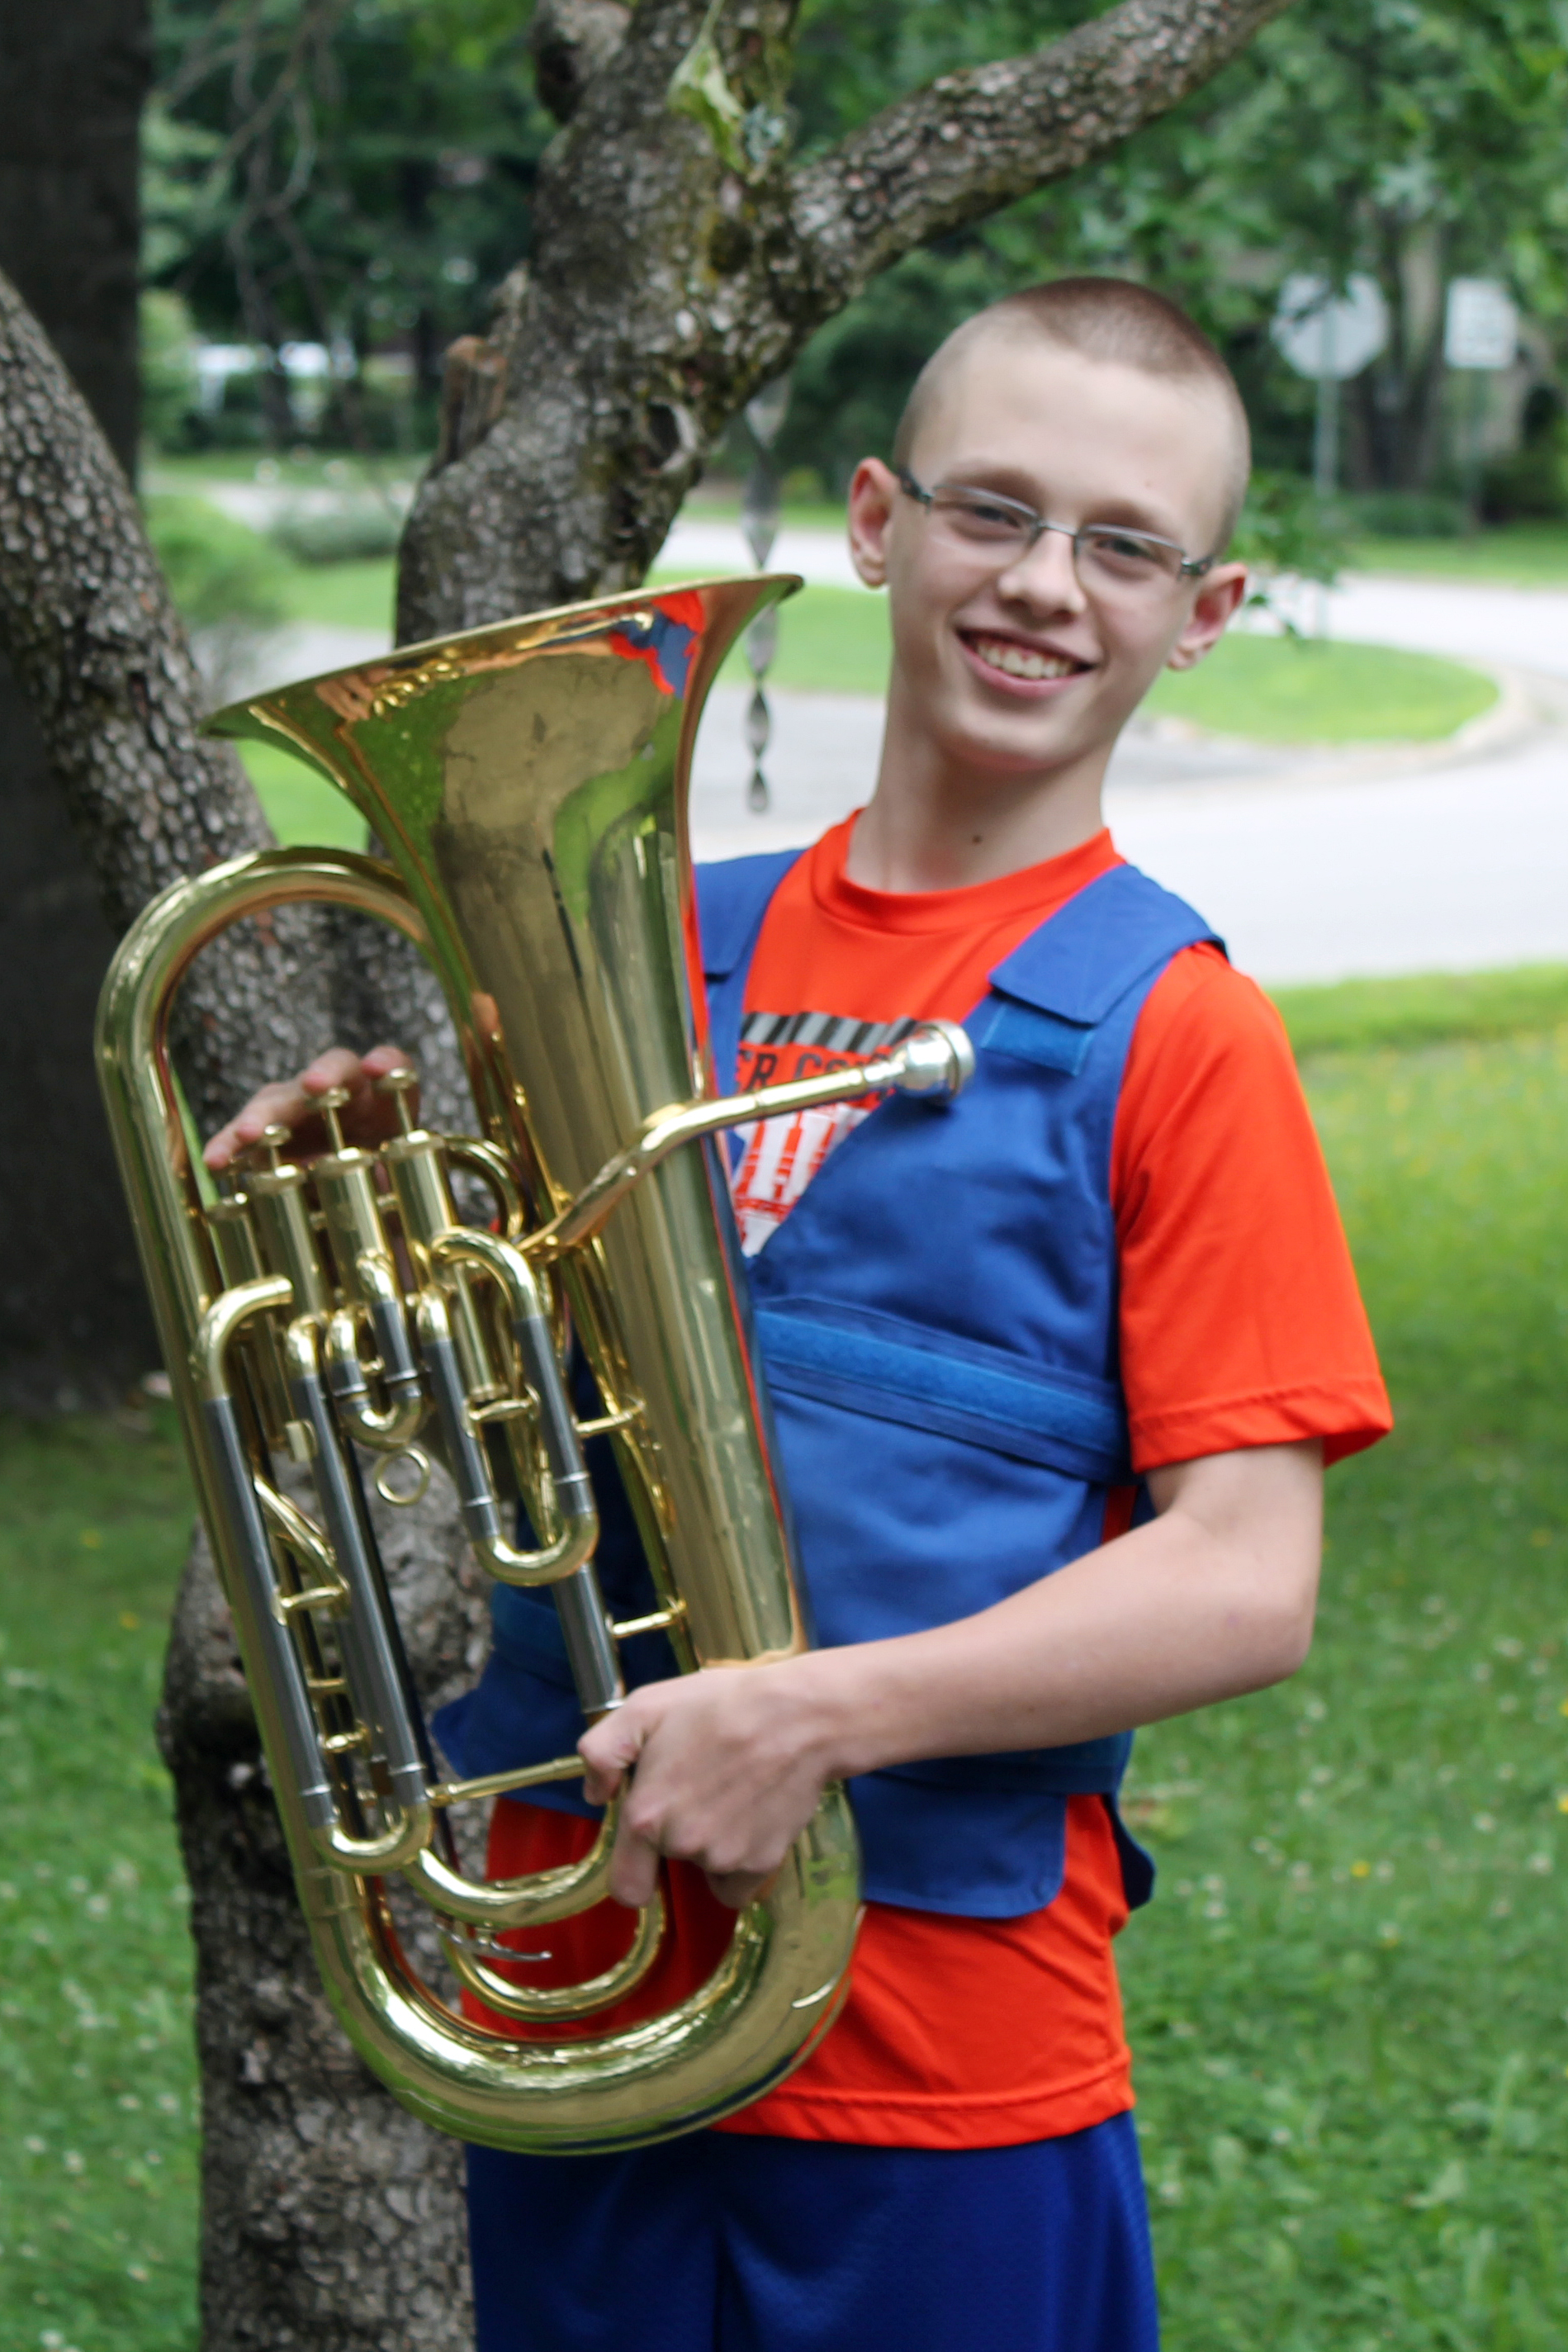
(357,173)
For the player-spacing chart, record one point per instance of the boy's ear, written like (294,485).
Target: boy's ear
(874,494)
(1220,595)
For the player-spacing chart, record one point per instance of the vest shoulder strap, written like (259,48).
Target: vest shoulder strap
(1083,958)
(732,900)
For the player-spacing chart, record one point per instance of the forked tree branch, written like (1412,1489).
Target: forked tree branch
(973,140)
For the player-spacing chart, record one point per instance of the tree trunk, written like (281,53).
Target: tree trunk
(679,263)
(74,1324)
(330,2218)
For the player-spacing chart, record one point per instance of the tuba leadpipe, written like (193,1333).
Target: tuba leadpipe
(346,1317)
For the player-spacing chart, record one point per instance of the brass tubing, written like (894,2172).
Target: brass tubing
(541,2003)
(389,1432)
(248,1548)
(936,1059)
(377,1678)
(506,1902)
(477,1500)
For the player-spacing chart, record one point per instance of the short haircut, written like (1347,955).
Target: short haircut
(1110,319)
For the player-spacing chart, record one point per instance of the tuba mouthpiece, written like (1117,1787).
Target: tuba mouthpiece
(938,1061)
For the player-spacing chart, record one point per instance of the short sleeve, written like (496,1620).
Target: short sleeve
(1241,1323)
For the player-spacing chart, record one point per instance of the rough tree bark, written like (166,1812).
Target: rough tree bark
(74,1324)
(679,262)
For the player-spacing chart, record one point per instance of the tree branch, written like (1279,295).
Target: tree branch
(973,140)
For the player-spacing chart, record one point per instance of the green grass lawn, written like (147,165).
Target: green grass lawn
(1308,690)
(97,2086)
(301,805)
(1518,554)
(1348,2000)
(1350,2006)
(358,596)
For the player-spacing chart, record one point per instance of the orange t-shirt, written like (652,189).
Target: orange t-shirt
(1240,1325)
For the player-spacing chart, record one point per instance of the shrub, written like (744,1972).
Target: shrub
(1410,514)
(347,531)
(1529,485)
(168,370)
(1286,529)
(218,570)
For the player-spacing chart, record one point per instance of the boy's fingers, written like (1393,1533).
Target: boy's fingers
(284,1103)
(609,1750)
(338,1066)
(293,1102)
(736,1888)
(633,1870)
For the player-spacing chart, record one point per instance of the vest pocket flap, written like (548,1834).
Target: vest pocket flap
(1025,1034)
(864,1364)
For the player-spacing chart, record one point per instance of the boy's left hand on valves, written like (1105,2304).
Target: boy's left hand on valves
(730,1766)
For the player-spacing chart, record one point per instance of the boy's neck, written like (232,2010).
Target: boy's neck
(929,826)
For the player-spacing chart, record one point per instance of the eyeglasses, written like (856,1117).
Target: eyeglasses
(1110,559)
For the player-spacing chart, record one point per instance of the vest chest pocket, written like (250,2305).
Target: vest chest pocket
(878,1365)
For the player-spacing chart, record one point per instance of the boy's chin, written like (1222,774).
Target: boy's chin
(1018,746)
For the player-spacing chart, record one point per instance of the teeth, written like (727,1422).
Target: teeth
(1018,661)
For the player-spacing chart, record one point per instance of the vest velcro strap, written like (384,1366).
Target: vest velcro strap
(1059,1424)
(1027,1034)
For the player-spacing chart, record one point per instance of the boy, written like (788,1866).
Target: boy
(1127,1225)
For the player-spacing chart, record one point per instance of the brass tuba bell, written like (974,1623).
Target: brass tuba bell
(529,784)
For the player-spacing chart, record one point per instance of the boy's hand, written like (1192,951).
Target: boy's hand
(730,1764)
(368,1117)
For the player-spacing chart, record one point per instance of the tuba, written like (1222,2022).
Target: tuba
(353,1317)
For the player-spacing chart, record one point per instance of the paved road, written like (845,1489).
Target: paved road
(1315,866)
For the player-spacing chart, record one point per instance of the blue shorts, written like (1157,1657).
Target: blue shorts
(721,2243)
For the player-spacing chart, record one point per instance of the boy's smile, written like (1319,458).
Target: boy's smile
(1011,678)
(1018,665)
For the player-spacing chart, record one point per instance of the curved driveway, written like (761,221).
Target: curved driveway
(1315,865)
(1315,868)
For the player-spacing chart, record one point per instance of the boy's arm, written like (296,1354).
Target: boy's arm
(1213,1597)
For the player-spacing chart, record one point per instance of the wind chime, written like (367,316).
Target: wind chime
(759,521)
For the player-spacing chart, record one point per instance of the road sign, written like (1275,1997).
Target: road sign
(1325,334)
(1480,325)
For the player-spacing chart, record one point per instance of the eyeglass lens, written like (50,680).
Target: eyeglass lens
(1108,556)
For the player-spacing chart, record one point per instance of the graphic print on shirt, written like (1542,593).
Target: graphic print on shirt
(783,1154)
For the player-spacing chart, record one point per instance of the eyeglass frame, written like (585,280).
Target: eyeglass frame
(1189,567)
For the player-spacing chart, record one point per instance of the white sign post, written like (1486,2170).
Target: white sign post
(1332,336)
(1329,336)
(1480,334)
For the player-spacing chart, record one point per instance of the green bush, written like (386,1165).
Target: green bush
(348,533)
(168,370)
(1285,528)
(218,570)
(1531,485)
(1410,514)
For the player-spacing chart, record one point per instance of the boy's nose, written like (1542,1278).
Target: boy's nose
(1046,574)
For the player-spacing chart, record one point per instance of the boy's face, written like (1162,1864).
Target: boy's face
(1080,441)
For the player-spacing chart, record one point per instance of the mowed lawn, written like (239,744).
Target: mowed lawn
(1348,1999)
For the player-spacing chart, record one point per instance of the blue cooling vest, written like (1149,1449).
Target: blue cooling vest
(937,1320)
